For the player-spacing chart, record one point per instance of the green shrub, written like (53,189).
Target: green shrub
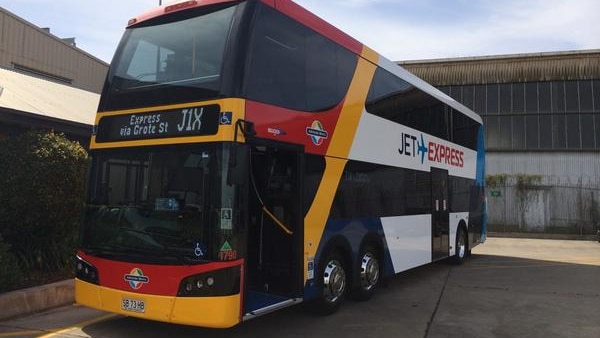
(42,175)
(10,274)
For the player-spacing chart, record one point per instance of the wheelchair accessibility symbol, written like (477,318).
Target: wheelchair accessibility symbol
(226,118)
(198,251)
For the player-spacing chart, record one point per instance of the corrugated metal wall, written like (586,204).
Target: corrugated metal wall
(583,65)
(24,44)
(560,168)
(565,199)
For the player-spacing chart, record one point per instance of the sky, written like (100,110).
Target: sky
(398,29)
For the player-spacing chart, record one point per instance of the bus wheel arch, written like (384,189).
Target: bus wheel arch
(368,269)
(461,249)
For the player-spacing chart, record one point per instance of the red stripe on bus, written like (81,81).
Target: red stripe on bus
(158,11)
(317,24)
(162,280)
(286,125)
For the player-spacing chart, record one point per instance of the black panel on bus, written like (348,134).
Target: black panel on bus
(294,67)
(394,99)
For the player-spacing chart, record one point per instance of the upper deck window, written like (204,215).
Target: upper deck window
(293,66)
(171,59)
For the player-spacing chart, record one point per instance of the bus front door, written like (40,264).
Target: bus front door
(275,228)
(440,214)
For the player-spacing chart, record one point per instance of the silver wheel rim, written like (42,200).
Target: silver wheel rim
(461,245)
(369,272)
(334,281)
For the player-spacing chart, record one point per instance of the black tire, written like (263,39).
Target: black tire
(368,273)
(332,280)
(461,248)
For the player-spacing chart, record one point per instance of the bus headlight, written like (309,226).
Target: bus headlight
(223,282)
(86,271)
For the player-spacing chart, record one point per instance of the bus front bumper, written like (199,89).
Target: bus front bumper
(214,312)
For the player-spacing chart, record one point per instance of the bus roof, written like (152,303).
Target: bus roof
(324,28)
(287,7)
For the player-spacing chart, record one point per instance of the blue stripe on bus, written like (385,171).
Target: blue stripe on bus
(353,231)
(480,178)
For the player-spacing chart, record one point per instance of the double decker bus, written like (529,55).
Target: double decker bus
(248,156)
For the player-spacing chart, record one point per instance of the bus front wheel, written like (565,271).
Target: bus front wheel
(334,284)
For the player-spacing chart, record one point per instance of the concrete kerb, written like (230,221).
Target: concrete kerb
(36,299)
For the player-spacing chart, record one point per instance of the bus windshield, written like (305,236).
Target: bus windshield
(173,60)
(160,205)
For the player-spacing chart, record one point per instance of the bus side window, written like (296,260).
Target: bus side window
(292,66)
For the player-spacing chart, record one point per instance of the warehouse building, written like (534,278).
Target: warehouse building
(542,118)
(46,82)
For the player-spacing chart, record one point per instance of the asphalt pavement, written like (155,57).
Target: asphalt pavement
(508,288)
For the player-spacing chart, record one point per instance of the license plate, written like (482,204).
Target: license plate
(133,305)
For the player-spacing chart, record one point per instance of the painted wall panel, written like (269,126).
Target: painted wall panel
(409,240)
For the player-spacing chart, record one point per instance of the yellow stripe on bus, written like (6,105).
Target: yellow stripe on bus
(337,154)
(347,124)
(314,222)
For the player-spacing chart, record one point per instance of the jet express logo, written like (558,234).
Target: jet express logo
(434,152)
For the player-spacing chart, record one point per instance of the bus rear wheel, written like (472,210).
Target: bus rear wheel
(369,274)
(461,250)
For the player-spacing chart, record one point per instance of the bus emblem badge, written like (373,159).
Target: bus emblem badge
(136,278)
(317,133)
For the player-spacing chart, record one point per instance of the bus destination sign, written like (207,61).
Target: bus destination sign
(195,121)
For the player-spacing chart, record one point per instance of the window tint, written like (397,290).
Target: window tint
(504,126)
(178,59)
(518,133)
(545,98)
(531,98)
(573,132)
(558,97)
(546,115)
(532,131)
(518,91)
(585,96)
(479,99)
(294,67)
(571,97)
(505,99)
(456,93)
(596,86)
(492,132)
(459,190)
(314,167)
(468,97)
(587,131)
(545,132)
(464,130)
(492,99)
(368,190)
(396,100)
(559,134)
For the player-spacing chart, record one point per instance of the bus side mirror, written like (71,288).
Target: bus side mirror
(239,160)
